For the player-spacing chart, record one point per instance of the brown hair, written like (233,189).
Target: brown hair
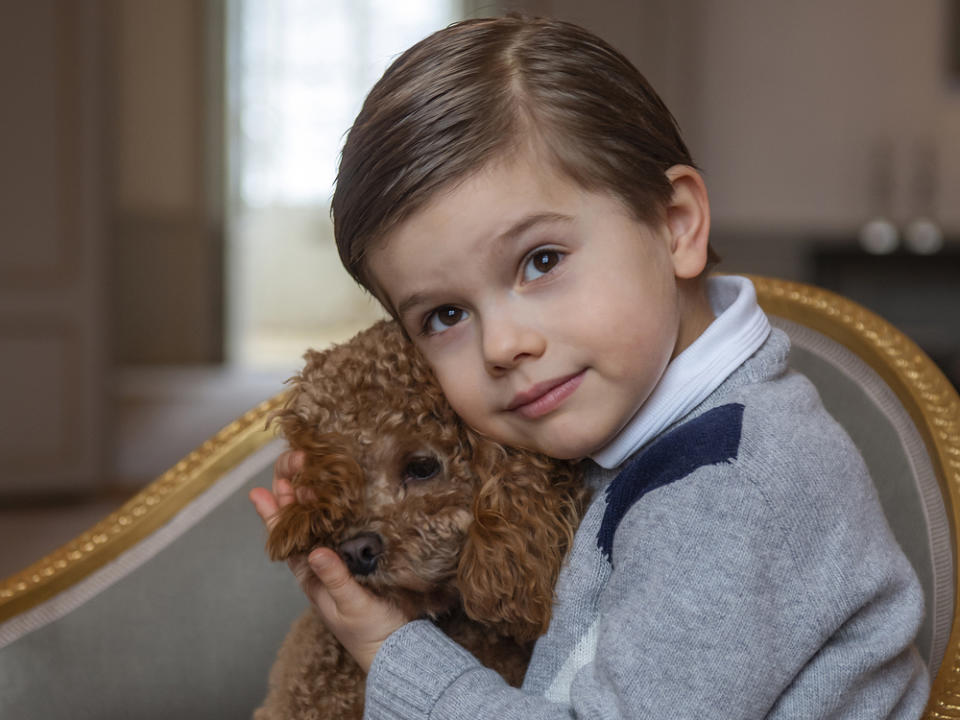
(472,92)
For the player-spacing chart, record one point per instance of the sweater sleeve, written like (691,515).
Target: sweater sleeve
(420,673)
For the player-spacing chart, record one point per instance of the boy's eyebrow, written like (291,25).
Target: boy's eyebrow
(411,301)
(518,228)
(525,223)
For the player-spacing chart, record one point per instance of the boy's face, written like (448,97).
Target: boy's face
(547,312)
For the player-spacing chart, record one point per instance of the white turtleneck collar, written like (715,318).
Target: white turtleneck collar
(739,329)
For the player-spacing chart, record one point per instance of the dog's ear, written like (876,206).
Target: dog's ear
(291,534)
(328,489)
(309,402)
(525,514)
(294,427)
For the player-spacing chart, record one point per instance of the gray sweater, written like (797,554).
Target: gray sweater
(737,566)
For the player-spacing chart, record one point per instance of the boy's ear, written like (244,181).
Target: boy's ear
(688,221)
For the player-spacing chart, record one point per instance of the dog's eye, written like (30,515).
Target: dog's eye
(421,468)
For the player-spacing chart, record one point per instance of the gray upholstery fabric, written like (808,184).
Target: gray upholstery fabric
(190,633)
(897,458)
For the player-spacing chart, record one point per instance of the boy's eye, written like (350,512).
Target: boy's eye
(443,318)
(540,262)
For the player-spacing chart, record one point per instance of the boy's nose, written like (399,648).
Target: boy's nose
(507,341)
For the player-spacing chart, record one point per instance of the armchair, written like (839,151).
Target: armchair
(169,607)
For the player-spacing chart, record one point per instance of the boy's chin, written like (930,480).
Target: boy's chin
(565,446)
(561,438)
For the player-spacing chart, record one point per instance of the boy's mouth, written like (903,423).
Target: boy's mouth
(544,397)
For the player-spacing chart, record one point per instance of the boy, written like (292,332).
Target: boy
(518,197)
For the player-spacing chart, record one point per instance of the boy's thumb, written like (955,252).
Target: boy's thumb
(331,571)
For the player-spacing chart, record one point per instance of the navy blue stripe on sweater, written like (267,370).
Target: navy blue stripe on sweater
(708,439)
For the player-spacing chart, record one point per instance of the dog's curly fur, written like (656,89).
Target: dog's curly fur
(427,513)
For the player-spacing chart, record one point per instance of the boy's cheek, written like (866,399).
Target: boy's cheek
(451,360)
(474,405)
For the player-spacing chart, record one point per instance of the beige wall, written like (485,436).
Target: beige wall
(53,334)
(110,241)
(785,104)
(796,98)
(164,147)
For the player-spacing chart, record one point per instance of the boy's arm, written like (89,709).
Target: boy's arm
(421,673)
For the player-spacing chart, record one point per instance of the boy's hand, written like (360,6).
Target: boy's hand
(359,619)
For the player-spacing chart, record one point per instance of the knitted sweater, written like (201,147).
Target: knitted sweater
(738,566)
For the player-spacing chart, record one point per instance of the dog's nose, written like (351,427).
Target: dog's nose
(361,553)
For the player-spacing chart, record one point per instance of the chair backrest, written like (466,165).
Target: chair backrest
(904,417)
(169,607)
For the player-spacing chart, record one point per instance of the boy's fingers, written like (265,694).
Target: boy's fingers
(265,504)
(268,503)
(331,571)
(303,573)
(283,491)
(284,470)
(288,464)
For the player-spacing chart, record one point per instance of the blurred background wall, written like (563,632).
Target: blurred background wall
(162,268)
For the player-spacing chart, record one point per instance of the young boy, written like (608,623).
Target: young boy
(519,198)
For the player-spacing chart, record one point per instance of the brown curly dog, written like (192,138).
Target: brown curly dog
(445,523)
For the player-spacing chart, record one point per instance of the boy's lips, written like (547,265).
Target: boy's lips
(545,396)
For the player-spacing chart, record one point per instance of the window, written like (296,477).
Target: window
(297,73)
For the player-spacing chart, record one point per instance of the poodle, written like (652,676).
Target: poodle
(425,512)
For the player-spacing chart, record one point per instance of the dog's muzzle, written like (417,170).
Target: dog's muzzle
(361,552)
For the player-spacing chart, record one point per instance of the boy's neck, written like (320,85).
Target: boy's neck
(695,312)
